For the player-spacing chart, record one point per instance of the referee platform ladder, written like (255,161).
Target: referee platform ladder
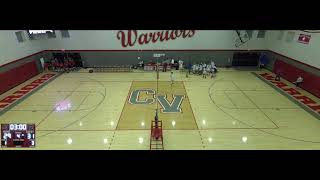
(156,139)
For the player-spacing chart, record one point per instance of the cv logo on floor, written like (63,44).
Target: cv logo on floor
(167,107)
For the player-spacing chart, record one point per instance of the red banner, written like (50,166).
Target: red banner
(304,38)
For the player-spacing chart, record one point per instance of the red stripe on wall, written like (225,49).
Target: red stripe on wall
(20,59)
(295,60)
(177,50)
(134,50)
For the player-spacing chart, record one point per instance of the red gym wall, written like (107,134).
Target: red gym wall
(19,71)
(13,77)
(291,73)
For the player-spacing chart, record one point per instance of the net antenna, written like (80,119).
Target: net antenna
(242,37)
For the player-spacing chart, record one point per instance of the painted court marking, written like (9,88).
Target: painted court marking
(296,96)
(259,129)
(24,92)
(140,107)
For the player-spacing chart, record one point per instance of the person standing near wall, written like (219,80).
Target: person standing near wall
(263,61)
(172,63)
(204,72)
(278,75)
(180,64)
(299,81)
(42,63)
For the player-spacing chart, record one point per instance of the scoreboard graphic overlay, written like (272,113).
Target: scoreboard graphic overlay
(18,135)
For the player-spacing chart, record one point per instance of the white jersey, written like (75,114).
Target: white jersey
(299,80)
(214,67)
(193,67)
(213,64)
(204,71)
(42,62)
(208,68)
(171,77)
(180,64)
(196,67)
(200,67)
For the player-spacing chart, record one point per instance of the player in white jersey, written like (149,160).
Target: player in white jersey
(204,72)
(200,69)
(197,69)
(213,65)
(171,78)
(212,72)
(208,68)
(204,65)
(194,68)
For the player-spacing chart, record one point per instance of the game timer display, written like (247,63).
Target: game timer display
(18,135)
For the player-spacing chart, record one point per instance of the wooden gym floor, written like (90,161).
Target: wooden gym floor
(235,110)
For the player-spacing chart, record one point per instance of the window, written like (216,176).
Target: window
(65,34)
(51,34)
(280,35)
(261,33)
(20,36)
(41,34)
(290,36)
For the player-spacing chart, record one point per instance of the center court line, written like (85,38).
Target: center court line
(112,140)
(201,140)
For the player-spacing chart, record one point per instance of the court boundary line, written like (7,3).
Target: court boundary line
(54,108)
(262,130)
(18,101)
(304,107)
(124,104)
(63,128)
(246,108)
(113,136)
(183,87)
(257,107)
(108,130)
(228,114)
(75,110)
(194,118)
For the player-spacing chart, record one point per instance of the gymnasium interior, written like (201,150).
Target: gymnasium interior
(160,89)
